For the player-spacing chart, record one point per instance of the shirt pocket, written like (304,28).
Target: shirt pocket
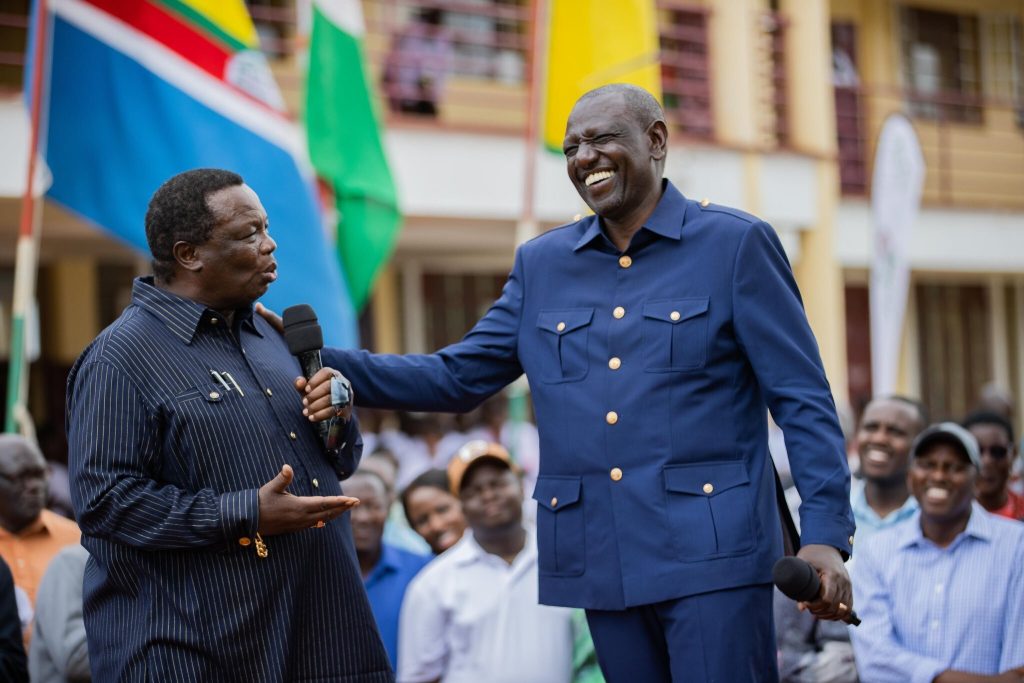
(564,333)
(200,436)
(709,508)
(676,334)
(561,533)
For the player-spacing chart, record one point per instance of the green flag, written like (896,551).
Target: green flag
(345,143)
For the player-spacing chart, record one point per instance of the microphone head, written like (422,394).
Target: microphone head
(302,332)
(796,579)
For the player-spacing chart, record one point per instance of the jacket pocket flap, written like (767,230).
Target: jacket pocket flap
(555,493)
(676,310)
(705,479)
(560,322)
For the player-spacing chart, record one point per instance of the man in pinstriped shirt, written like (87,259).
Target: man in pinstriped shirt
(209,504)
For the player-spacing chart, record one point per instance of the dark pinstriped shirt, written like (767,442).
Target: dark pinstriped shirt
(165,465)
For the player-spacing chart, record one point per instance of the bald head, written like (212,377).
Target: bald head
(22,482)
(642,105)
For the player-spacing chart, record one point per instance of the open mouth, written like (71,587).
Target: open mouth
(876,456)
(271,273)
(597,178)
(934,494)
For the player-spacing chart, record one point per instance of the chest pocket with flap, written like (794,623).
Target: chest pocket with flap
(564,335)
(676,334)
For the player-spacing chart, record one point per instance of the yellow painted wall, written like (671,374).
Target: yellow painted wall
(971,165)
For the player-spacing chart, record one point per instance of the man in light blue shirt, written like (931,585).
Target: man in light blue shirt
(940,595)
(881,498)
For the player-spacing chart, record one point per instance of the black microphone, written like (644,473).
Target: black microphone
(304,337)
(799,581)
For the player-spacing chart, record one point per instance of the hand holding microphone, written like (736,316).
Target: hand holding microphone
(830,599)
(326,393)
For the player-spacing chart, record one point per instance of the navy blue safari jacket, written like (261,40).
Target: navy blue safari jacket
(650,372)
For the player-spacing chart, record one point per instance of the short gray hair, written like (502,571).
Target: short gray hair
(641,103)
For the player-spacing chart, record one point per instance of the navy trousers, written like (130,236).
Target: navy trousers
(721,637)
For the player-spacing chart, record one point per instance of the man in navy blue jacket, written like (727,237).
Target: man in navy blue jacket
(654,335)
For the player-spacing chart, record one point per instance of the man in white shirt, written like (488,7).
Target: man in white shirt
(472,614)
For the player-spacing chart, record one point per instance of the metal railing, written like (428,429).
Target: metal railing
(973,145)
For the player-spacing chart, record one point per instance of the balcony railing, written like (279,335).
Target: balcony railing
(973,146)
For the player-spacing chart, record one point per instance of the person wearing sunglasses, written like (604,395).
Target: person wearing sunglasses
(995,441)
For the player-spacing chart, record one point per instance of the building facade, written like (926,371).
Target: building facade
(774,107)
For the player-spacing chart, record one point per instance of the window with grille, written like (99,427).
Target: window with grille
(941,64)
(1003,64)
(454,302)
(685,80)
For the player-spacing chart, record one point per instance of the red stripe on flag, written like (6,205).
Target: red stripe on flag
(169,30)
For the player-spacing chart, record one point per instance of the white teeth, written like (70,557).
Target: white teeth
(597,177)
(877,456)
(937,495)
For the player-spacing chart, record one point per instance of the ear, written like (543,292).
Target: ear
(187,256)
(657,137)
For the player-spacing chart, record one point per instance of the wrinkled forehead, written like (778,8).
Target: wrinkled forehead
(598,112)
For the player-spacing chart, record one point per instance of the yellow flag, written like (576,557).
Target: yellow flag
(230,16)
(592,43)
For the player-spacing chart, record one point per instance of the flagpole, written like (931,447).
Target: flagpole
(28,239)
(528,227)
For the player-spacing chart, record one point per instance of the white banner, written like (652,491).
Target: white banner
(895,200)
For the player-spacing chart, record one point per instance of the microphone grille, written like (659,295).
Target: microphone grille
(302,331)
(796,578)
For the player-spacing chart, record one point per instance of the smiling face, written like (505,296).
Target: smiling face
(886,433)
(941,478)
(613,159)
(235,266)
(491,495)
(436,515)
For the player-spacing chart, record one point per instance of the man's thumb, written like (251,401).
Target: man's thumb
(283,479)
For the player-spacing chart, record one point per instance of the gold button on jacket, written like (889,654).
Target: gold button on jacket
(615,474)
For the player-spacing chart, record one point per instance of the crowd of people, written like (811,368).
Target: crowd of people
(229,537)
(447,552)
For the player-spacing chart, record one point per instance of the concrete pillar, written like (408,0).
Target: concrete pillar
(386,316)
(813,130)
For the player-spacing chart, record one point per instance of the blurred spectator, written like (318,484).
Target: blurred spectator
(29,534)
(887,430)
(519,438)
(396,530)
(995,442)
(993,398)
(59,652)
(13,665)
(940,595)
(433,512)
(386,570)
(813,651)
(423,440)
(420,58)
(472,614)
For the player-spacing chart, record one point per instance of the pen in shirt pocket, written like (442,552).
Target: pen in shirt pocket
(220,380)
